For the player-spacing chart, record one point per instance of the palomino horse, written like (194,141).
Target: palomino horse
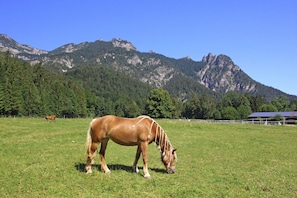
(140,132)
(51,117)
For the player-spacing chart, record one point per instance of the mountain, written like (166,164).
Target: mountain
(213,75)
(23,52)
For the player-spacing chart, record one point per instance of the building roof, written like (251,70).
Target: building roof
(287,114)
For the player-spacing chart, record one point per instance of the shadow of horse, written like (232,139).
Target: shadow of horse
(114,167)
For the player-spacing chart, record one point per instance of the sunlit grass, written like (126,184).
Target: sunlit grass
(40,159)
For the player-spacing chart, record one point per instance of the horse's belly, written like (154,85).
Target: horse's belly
(125,137)
(125,141)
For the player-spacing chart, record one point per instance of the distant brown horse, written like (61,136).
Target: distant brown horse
(140,132)
(51,117)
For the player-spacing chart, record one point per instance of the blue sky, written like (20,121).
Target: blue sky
(260,36)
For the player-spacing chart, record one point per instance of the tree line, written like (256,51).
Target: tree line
(34,91)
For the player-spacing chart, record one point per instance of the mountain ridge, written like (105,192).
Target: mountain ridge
(214,74)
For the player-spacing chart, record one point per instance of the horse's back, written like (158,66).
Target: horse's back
(125,131)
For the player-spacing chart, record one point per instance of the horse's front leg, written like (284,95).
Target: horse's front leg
(135,167)
(144,151)
(104,166)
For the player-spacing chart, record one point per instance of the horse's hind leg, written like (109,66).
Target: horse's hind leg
(135,167)
(90,157)
(104,166)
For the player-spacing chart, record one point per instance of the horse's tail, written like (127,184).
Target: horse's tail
(89,137)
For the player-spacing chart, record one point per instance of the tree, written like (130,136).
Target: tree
(278,117)
(293,105)
(255,102)
(132,110)
(232,99)
(230,113)
(31,100)
(282,103)
(244,111)
(217,115)
(12,100)
(159,104)
(32,90)
(267,108)
(90,103)
(178,107)
(192,107)
(206,107)
(119,107)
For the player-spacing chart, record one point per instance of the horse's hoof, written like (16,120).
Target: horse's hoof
(147,176)
(89,172)
(107,172)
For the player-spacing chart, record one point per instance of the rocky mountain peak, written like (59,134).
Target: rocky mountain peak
(123,44)
(209,59)
(22,52)
(220,73)
(219,60)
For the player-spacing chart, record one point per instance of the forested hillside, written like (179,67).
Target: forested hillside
(214,75)
(27,90)
(34,91)
(115,92)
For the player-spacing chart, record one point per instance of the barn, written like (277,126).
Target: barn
(287,117)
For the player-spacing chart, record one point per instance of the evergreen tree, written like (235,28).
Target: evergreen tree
(31,100)
(293,105)
(159,104)
(178,108)
(255,102)
(132,110)
(206,107)
(11,84)
(191,109)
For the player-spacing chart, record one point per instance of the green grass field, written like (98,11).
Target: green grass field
(40,159)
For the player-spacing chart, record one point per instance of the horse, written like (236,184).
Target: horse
(140,132)
(51,117)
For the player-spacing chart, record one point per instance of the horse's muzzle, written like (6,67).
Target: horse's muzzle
(170,171)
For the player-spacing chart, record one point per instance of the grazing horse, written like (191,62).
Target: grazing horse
(140,132)
(51,117)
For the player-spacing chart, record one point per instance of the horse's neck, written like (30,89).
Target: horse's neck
(161,138)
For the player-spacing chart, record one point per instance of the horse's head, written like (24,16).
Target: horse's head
(168,158)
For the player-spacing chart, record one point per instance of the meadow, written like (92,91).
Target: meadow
(47,159)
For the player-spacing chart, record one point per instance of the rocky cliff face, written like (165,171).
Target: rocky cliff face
(123,44)
(221,74)
(23,52)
